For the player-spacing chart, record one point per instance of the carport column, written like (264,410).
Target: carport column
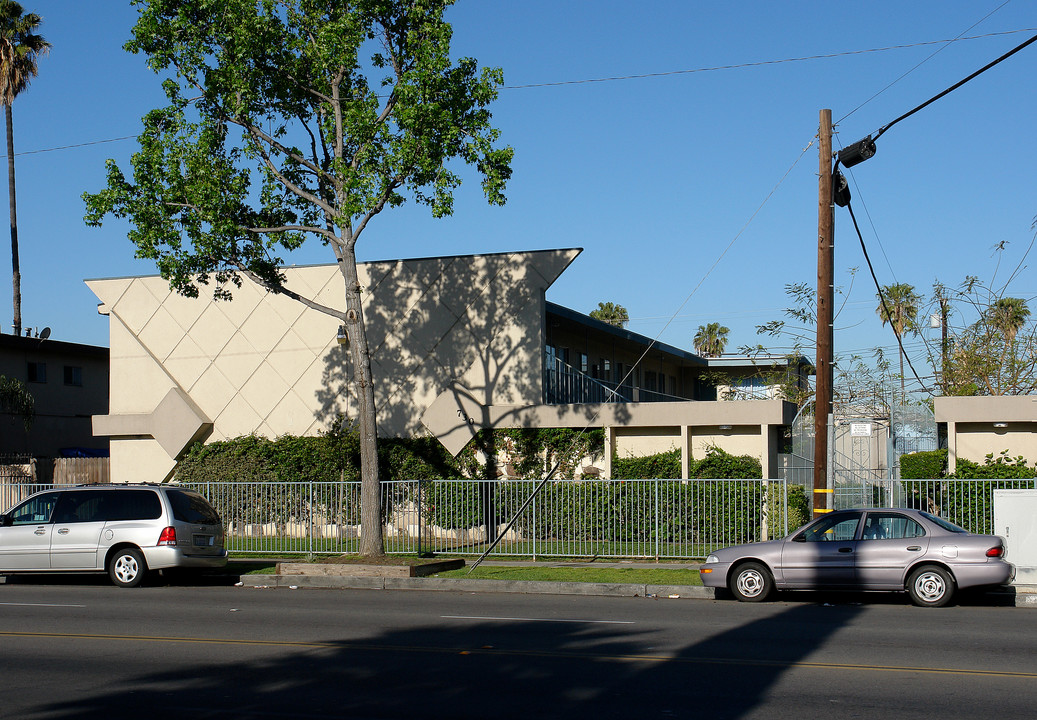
(952,446)
(765,456)
(685,452)
(610,449)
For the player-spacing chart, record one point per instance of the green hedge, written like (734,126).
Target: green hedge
(958,497)
(923,465)
(690,512)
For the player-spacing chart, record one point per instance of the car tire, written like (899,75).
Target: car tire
(930,586)
(127,568)
(751,582)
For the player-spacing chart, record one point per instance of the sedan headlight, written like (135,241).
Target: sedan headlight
(712,559)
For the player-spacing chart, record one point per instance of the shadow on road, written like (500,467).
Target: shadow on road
(499,669)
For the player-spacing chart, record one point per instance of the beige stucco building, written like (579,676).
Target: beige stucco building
(978,426)
(457,343)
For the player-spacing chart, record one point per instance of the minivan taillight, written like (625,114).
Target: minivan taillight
(996,551)
(168,536)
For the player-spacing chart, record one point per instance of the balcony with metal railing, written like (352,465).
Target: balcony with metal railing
(565,385)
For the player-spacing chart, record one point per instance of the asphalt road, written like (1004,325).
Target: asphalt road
(84,649)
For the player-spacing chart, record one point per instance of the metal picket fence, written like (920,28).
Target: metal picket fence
(600,518)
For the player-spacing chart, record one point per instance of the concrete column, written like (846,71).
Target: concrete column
(685,452)
(952,446)
(767,456)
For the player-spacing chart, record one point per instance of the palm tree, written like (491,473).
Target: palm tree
(1008,315)
(898,306)
(611,314)
(711,339)
(20,48)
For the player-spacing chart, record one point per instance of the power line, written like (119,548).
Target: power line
(735,66)
(953,87)
(761,63)
(69,147)
(923,62)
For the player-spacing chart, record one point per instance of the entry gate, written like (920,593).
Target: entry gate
(864,450)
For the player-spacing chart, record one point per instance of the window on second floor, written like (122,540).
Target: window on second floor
(37,372)
(74,376)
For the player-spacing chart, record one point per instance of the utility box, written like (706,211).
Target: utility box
(1015,519)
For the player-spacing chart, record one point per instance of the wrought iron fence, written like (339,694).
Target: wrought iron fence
(600,518)
(966,503)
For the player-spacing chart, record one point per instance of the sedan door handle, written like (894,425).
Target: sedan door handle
(40,531)
(914,547)
(846,550)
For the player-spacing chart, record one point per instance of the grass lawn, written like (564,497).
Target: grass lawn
(640,576)
(597,574)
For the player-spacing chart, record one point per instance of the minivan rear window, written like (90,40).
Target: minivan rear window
(189,506)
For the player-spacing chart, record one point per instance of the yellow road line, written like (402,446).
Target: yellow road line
(346,645)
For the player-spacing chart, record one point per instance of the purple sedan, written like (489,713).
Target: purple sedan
(871,549)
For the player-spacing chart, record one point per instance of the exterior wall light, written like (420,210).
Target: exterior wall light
(725,427)
(1000,425)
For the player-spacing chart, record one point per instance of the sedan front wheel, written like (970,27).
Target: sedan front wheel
(751,582)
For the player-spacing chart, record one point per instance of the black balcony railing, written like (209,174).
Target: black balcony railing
(564,385)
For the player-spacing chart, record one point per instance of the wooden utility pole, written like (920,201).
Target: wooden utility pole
(825,301)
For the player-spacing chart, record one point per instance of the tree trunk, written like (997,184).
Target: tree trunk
(371,541)
(16,274)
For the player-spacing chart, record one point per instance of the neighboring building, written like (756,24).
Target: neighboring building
(69,383)
(457,344)
(978,426)
(760,377)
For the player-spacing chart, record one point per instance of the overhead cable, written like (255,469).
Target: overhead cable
(953,87)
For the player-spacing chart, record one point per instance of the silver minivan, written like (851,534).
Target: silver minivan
(124,530)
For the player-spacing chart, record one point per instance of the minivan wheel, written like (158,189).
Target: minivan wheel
(127,568)
(930,586)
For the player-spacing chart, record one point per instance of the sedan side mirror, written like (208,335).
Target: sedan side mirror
(800,538)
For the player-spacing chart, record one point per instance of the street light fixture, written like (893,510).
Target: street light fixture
(857,153)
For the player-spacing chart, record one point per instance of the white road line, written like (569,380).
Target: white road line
(39,605)
(522,619)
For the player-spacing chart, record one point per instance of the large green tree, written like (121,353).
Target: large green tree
(20,48)
(611,313)
(898,306)
(291,120)
(992,350)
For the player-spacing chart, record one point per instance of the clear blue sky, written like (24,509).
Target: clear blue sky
(690,191)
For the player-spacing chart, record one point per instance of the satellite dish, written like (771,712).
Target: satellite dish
(44,333)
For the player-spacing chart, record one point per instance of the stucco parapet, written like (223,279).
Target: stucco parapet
(997,408)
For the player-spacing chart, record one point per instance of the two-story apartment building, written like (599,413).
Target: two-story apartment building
(69,384)
(457,344)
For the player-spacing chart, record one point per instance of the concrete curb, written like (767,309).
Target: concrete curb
(1023,597)
(463,585)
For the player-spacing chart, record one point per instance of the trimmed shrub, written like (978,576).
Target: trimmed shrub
(926,465)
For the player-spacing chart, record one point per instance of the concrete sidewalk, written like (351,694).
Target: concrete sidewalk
(1019,596)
